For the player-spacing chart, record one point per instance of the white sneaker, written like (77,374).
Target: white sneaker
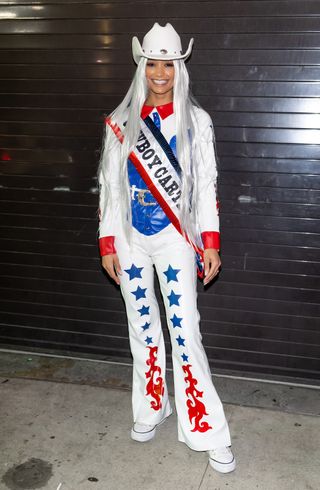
(143,432)
(221,459)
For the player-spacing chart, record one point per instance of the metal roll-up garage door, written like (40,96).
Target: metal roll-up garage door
(255,69)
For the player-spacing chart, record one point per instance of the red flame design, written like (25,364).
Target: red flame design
(155,388)
(196,409)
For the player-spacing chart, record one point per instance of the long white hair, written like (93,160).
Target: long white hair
(187,134)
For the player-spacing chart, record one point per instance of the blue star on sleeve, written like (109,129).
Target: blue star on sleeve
(139,293)
(180,340)
(174,298)
(176,321)
(144,310)
(171,274)
(146,326)
(185,358)
(134,271)
(148,340)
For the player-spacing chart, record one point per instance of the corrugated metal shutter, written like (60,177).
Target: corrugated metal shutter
(255,68)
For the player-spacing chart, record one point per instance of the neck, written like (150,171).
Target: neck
(156,99)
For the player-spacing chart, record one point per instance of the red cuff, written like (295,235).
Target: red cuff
(211,239)
(106,245)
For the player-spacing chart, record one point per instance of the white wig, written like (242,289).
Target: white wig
(187,134)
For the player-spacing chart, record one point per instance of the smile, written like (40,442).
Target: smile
(160,82)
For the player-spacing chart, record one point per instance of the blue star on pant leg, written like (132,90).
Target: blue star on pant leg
(144,310)
(176,321)
(146,326)
(139,293)
(180,340)
(174,298)
(148,340)
(134,271)
(185,358)
(171,274)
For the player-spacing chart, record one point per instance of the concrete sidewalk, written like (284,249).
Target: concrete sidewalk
(66,436)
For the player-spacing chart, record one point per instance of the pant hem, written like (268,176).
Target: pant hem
(205,447)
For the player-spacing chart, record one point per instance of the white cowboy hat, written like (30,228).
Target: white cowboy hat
(160,43)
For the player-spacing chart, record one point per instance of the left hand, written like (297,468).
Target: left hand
(212,264)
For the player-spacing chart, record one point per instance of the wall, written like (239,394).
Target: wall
(255,68)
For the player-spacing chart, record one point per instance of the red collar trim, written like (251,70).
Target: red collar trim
(163,110)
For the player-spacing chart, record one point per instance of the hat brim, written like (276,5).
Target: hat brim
(138,53)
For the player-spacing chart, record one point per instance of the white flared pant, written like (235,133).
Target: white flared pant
(201,420)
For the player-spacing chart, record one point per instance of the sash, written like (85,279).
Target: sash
(164,144)
(161,172)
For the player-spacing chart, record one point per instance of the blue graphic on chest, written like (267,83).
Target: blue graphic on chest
(173,145)
(147,215)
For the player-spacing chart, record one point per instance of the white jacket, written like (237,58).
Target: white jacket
(208,217)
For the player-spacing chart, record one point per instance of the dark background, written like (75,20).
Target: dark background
(255,68)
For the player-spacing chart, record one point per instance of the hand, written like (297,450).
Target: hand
(112,265)
(212,264)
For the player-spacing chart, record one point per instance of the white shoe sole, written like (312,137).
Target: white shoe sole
(146,436)
(222,467)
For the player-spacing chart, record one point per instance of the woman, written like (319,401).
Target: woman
(158,209)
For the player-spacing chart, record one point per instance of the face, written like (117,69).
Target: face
(160,77)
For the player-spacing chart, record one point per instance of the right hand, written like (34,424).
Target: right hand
(112,265)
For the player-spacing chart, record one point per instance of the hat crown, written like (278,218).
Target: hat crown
(162,41)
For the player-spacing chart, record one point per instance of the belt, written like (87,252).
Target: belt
(141,194)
